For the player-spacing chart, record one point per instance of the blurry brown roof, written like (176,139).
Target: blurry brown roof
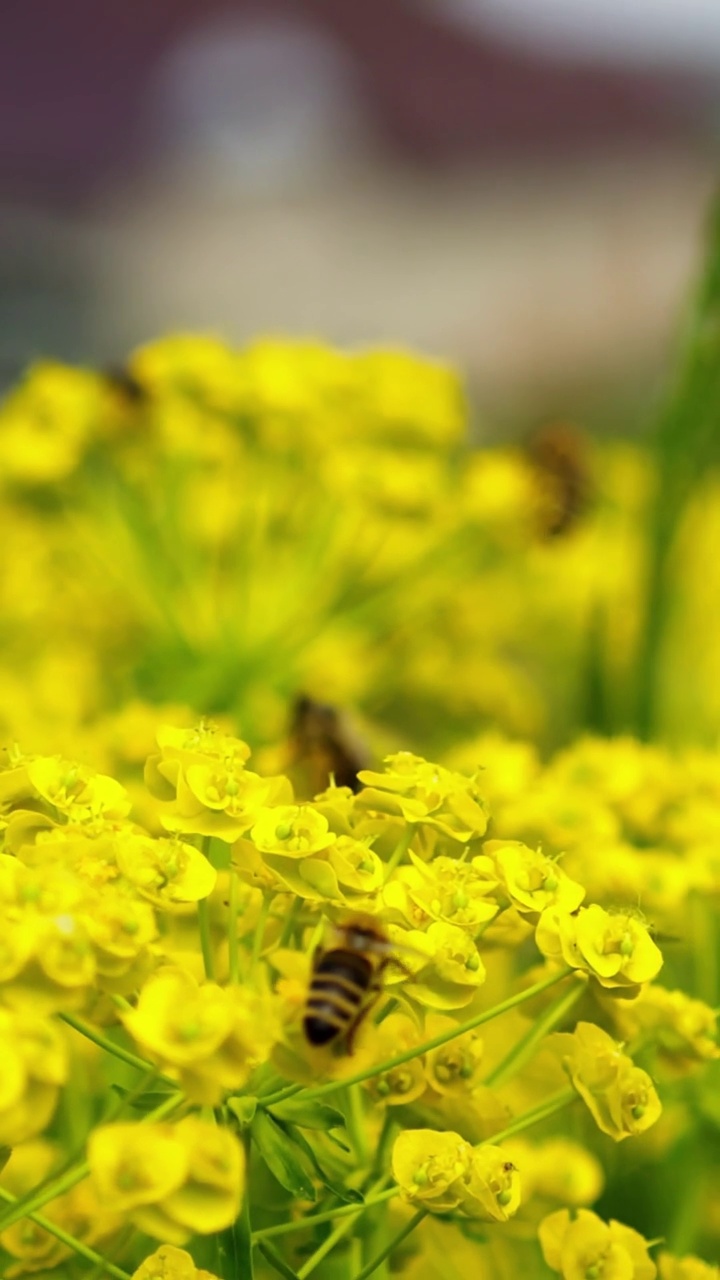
(74,76)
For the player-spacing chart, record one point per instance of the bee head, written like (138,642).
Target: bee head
(364,933)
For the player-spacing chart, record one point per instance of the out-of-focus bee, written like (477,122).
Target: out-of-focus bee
(559,455)
(126,385)
(324,746)
(346,981)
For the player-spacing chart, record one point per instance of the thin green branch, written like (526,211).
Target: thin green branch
(280,1265)
(542,1112)
(400,850)
(259,935)
(523,1051)
(392,1244)
(206,943)
(116,1050)
(315,1219)
(70,1241)
(233,950)
(327,1246)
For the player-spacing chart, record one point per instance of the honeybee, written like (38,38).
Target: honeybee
(324,746)
(559,456)
(126,385)
(345,982)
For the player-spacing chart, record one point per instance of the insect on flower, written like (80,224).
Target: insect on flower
(558,454)
(126,385)
(325,747)
(346,981)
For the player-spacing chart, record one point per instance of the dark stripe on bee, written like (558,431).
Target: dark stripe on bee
(126,384)
(339,983)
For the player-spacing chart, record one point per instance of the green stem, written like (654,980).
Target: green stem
(417,1051)
(385,1141)
(71,1242)
(241,1230)
(327,1246)
(289,923)
(355,1123)
(704,948)
(400,850)
(206,944)
(273,1257)
(233,952)
(260,931)
(686,446)
(523,1051)
(35,1199)
(119,1244)
(315,1219)
(542,1112)
(392,1244)
(103,1042)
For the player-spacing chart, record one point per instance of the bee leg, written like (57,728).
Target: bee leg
(358,1021)
(397,964)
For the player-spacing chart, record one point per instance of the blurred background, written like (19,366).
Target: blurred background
(519,185)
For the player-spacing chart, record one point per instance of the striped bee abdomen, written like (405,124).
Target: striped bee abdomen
(340,981)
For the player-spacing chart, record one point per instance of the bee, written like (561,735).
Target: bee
(126,386)
(559,455)
(324,746)
(346,981)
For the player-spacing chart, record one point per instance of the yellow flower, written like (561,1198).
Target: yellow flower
(169,1180)
(621,1097)
(491,1193)
(68,790)
(446,890)
(587,1249)
(431,1168)
(168,872)
(532,881)
(46,423)
(684,1030)
(410,399)
(395,1034)
(169,1263)
(453,1070)
(180,748)
(425,793)
(33,1067)
(616,949)
(200,774)
(688,1268)
(291,831)
(121,929)
(357,868)
(213,1037)
(444,963)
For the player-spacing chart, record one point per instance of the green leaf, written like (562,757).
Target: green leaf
(5,1154)
(339,1188)
(285,1159)
(143,1102)
(309,1115)
(243,1109)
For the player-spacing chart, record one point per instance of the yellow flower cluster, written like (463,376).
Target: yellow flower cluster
(171,1181)
(586,1247)
(442,1173)
(169,1263)
(621,1096)
(207,512)
(480,932)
